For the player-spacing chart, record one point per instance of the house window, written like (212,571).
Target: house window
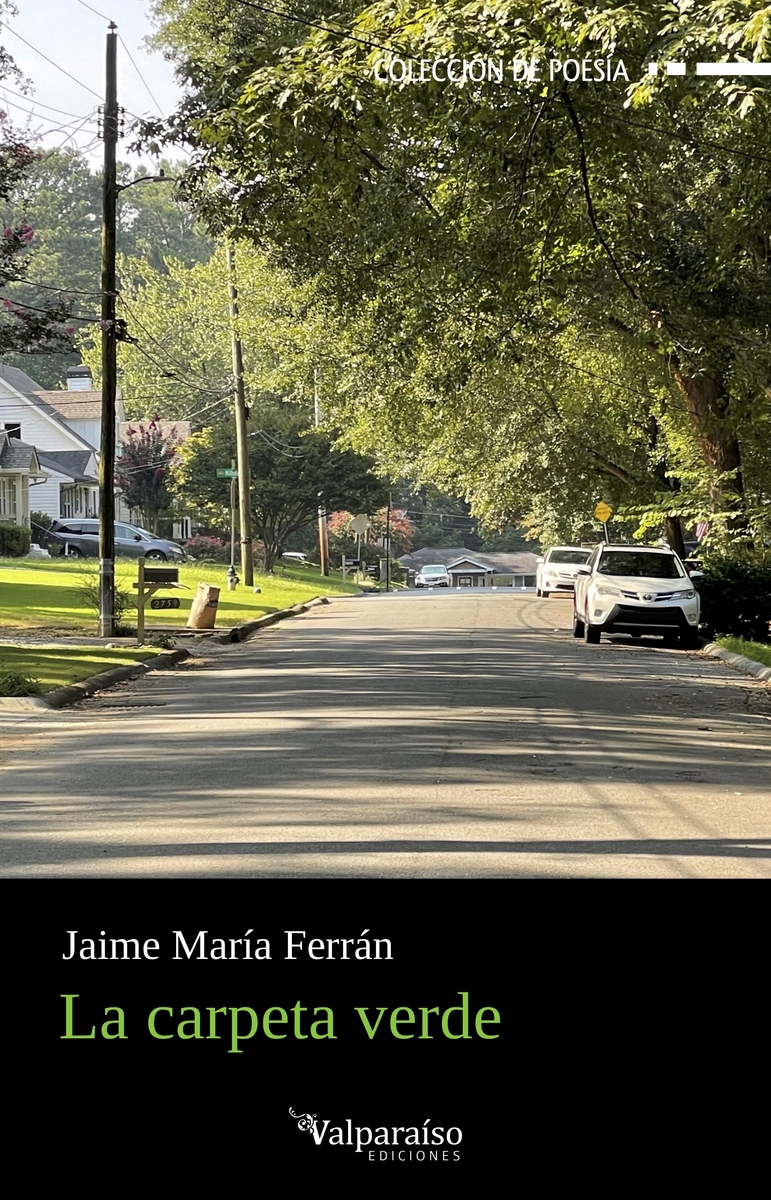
(13,429)
(8,499)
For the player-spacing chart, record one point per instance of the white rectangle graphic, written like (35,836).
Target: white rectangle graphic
(734,68)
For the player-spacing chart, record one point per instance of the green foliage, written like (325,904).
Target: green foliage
(558,293)
(14,541)
(16,683)
(735,599)
(294,469)
(61,198)
(125,601)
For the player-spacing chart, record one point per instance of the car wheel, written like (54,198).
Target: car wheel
(73,552)
(592,634)
(578,625)
(156,556)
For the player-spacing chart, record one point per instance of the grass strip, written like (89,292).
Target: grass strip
(46,594)
(759,652)
(57,666)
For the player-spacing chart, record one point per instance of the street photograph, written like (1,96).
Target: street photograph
(385,576)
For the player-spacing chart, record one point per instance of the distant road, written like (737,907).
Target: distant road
(461,734)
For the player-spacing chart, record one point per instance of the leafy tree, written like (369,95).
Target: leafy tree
(294,469)
(343,541)
(180,316)
(472,232)
(142,470)
(61,198)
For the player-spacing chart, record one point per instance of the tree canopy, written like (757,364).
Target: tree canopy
(559,288)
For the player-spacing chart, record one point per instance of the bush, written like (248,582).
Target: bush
(14,541)
(15,683)
(735,600)
(124,601)
(41,523)
(211,548)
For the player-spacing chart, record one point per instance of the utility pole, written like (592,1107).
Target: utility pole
(388,544)
(323,530)
(242,449)
(109,345)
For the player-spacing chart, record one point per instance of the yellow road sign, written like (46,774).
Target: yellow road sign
(602,512)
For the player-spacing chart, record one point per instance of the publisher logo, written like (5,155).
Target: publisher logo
(385,1143)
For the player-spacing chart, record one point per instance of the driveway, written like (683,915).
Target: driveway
(431,735)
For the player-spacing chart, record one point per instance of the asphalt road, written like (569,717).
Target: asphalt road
(418,735)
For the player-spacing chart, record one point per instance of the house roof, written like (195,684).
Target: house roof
(39,401)
(69,462)
(18,379)
(503,563)
(75,406)
(17,456)
(466,561)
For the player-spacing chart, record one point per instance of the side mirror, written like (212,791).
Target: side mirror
(137,538)
(539,558)
(696,574)
(583,571)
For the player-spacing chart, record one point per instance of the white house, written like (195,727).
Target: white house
(64,427)
(19,466)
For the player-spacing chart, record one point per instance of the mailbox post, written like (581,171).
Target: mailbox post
(149,581)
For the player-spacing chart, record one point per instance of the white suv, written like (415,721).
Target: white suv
(556,571)
(635,590)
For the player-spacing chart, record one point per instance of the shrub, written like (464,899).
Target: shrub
(124,601)
(41,523)
(212,548)
(14,541)
(15,683)
(735,600)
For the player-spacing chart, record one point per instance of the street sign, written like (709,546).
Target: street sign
(602,512)
(227,473)
(351,562)
(164,602)
(360,523)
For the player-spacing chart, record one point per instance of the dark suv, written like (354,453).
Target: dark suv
(80,539)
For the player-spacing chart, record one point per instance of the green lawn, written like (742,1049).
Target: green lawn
(758,651)
(55,666)
(37,594)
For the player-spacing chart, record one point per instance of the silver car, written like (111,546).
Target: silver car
(80,539)
(432,575)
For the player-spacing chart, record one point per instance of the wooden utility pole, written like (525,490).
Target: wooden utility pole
(323,530)
(242,447)
(109,346)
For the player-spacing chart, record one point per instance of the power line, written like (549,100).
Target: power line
(20,95)
(51,61)
(141,76)
(95,12)
(36,308)
(341,33)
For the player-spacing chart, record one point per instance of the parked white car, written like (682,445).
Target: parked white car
(556,571)
(636,590)
(433,575)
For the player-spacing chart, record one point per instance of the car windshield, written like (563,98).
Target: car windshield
(649,566)
(568,556)
(433,570)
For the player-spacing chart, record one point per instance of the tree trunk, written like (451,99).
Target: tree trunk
(708,404)
(673,531)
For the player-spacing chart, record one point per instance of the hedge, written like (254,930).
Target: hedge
(14,541)
(735,600)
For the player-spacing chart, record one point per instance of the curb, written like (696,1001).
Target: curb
(747,665)
(239,633)
(61,697)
